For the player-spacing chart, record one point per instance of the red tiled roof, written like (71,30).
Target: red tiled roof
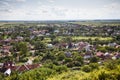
(25,67)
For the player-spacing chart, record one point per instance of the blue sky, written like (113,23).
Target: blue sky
(59,9)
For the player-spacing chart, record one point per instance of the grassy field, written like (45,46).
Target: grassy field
(60,38)
(97,23)
(92,38)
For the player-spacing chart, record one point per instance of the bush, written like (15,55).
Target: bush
(1,76)
(76,63)
(70,64)
(61,69)
(68,60)
(94,66)
(61,57)
(109,65)
(94,59)
(102,76)
(37,74)
(79,59)
(36,60)
(86,68)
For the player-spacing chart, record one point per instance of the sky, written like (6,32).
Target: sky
(59,9)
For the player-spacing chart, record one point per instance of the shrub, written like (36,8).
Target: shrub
(68,60)
(61,57)
(70,64)
(109,65)
(61,69)
(1,76)
(102,76)
(36,60)
(86,68)
(94,59)
(76,63)
(80,59)
(94,66)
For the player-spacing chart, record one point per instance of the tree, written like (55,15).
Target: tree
(67,39)
(86,68)
(21,48)
(94,59)
(61,57)
(79,59)
(40,46)
(52,37)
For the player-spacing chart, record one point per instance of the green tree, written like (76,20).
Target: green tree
(94,59)
(21,49)
(79,59)
(61,57)
(40,46)
(52,37)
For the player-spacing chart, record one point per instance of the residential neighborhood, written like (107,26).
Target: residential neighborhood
(27,47)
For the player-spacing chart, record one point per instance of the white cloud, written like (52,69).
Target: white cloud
(47,12)
(20,0)
(51,1)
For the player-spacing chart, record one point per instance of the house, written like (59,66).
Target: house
(8,72)
(81,45)
(49,45)
(26,67)
(87,48)
(8,40)
(47,34)
(9,66)
(19,38)
(30,61)
(5,53)
(112,44)
(62,45)
(100,55)
(117,55)
(68,54)
(107,55)
(87,55)
(70,45)
(1,64)
(56,31)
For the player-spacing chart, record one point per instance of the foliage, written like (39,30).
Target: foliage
(86,68)
(94,59)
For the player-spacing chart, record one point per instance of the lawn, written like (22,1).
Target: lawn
(92,38)
(97,23)
(60,38)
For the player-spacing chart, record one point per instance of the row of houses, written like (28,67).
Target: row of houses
(8,67)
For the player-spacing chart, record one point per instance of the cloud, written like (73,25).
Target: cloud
(5,10)
(51,1)
(21,0)
(4,2)
(55,12)
(5,6)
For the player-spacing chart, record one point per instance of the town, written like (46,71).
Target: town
(25,46)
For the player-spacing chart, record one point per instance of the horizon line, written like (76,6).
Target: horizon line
(64,20)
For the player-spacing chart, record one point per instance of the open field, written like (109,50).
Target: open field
(92,38)
(60,38)
(97,23)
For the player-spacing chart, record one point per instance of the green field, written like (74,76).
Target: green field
(60,38)
(92,38)
(97,23)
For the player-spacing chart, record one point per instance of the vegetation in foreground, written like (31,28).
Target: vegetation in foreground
(93,71)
